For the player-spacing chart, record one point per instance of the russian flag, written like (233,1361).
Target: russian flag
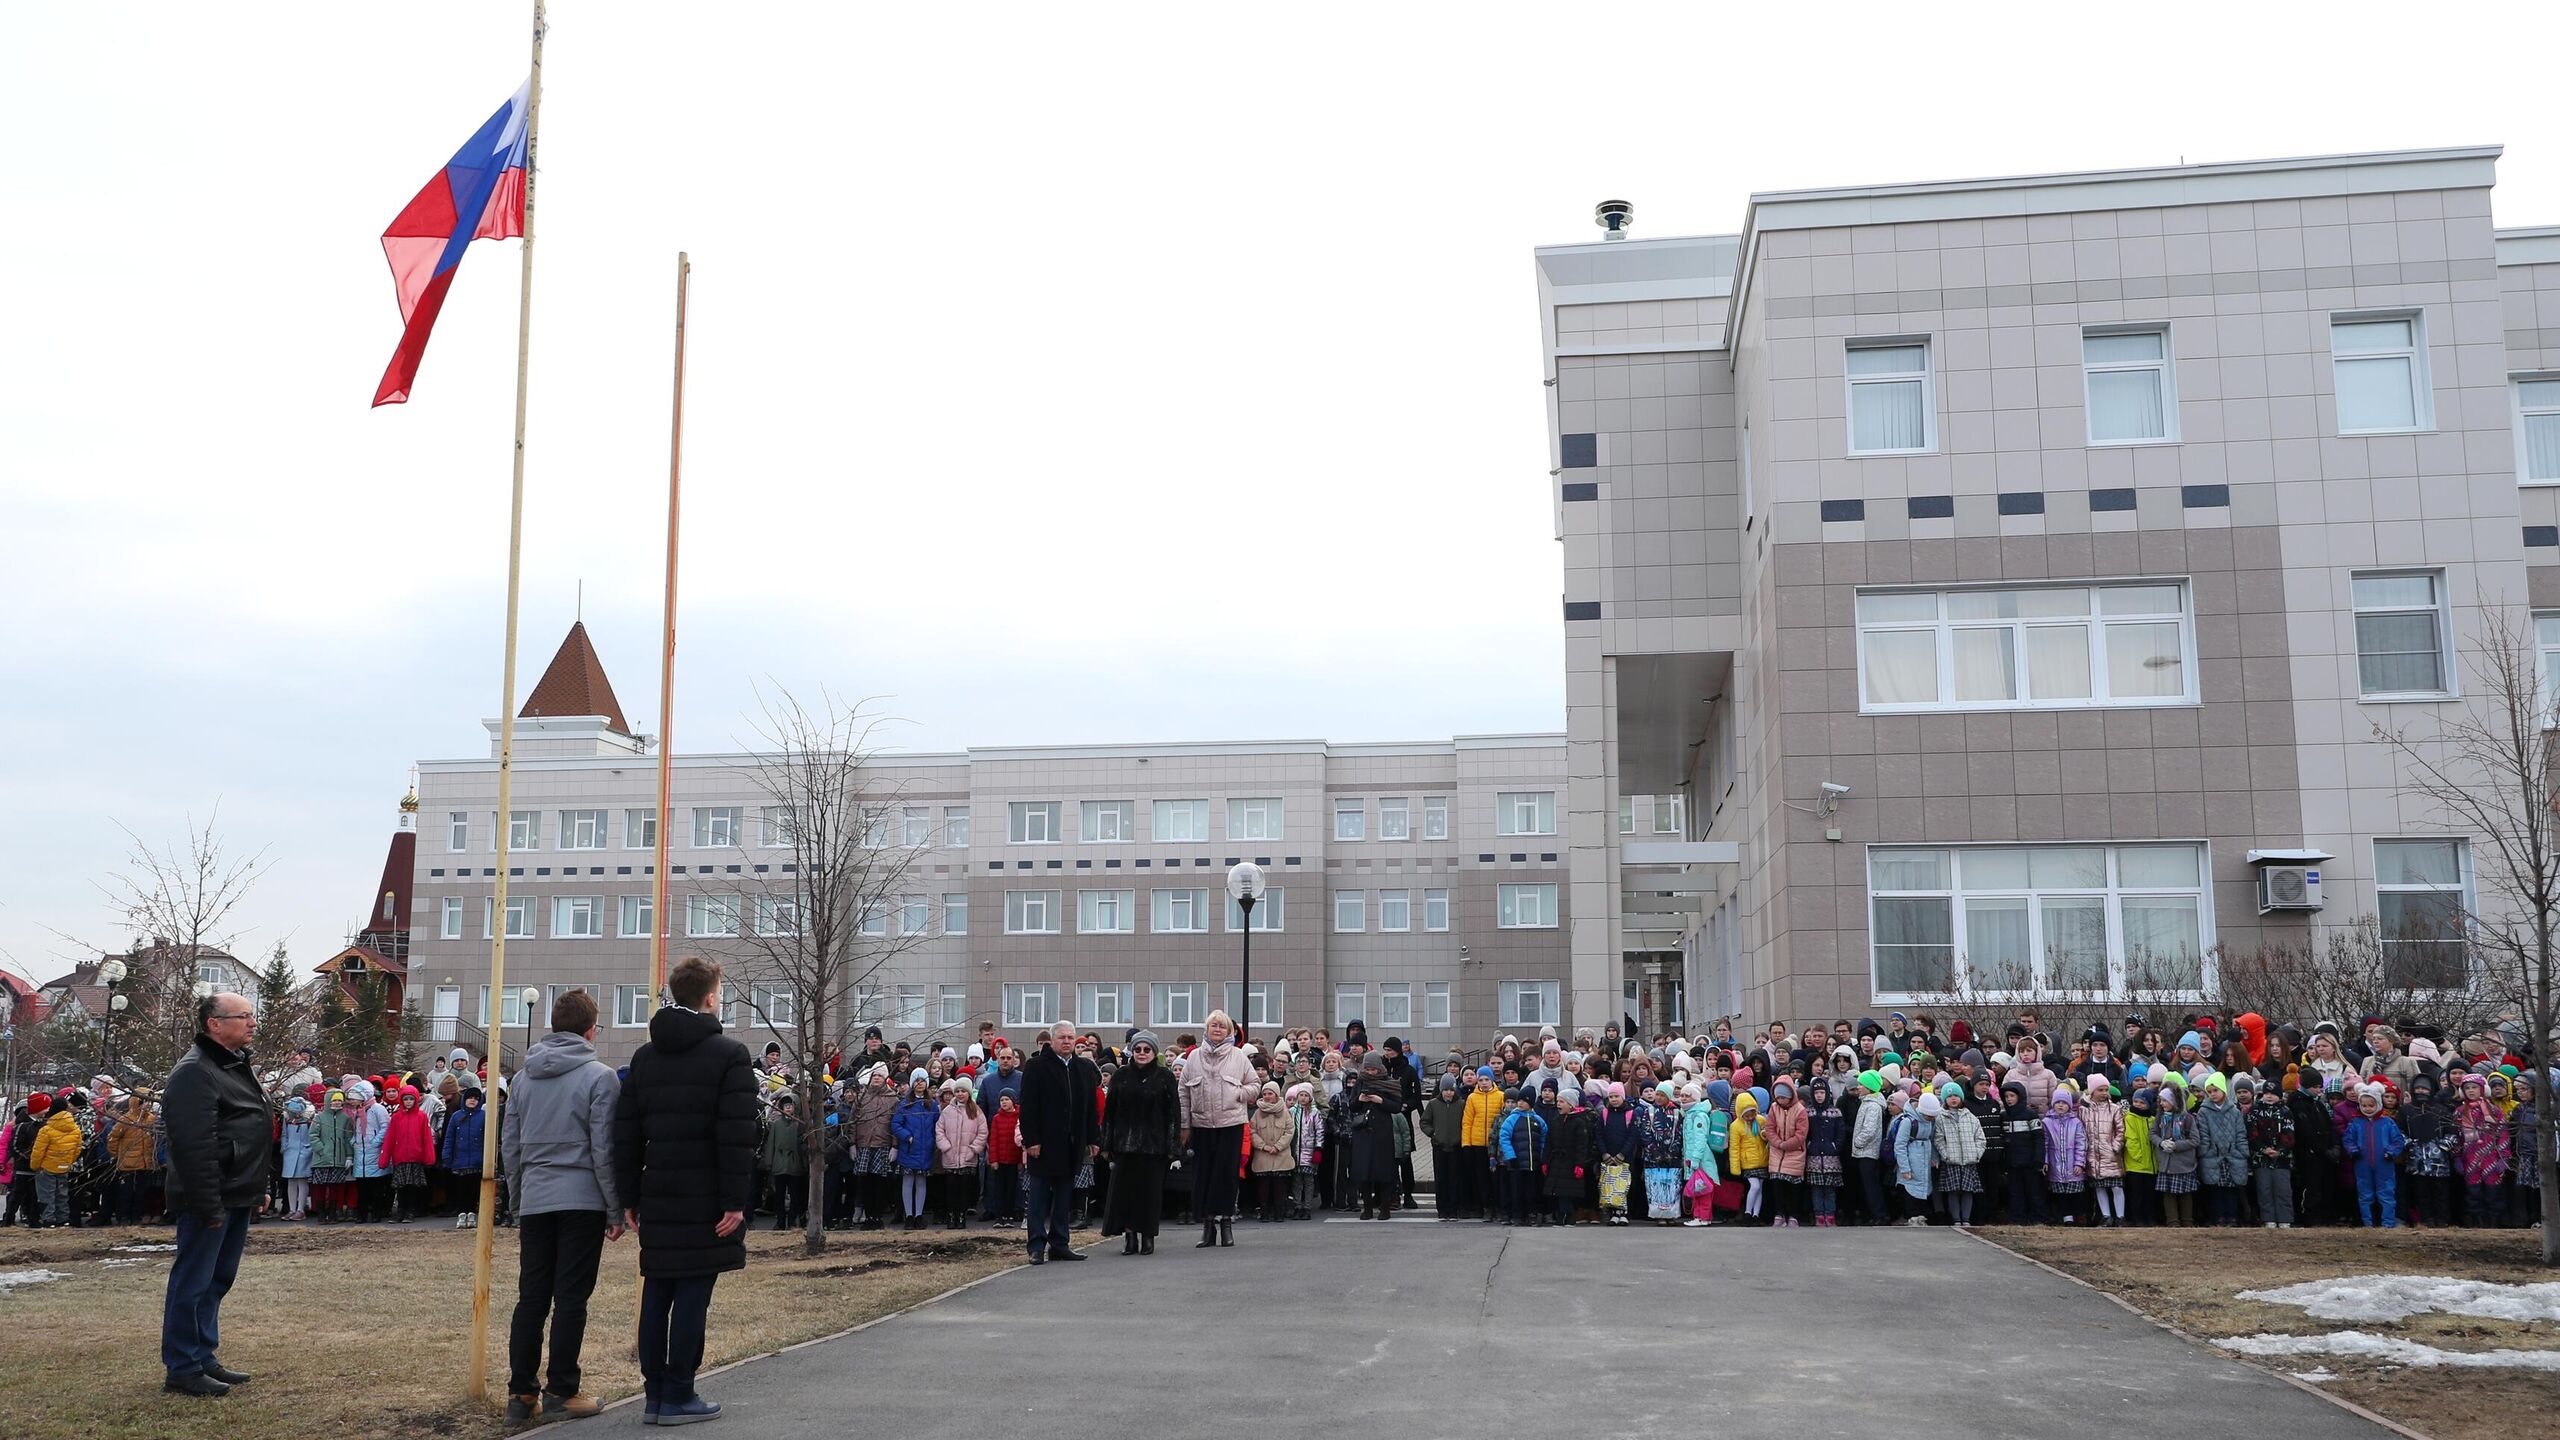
(478,195)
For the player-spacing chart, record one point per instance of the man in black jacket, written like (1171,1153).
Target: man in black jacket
(1058,1134)
(684,1160)
(218,1130)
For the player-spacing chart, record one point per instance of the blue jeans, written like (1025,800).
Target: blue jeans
(674,1314)
(1048,1201)
(191,1319)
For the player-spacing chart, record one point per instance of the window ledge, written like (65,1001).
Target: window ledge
(2132,444)
(2395,430)
(2414,697)
(1888,454)
(2027,707)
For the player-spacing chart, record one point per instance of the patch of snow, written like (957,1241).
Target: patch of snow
(2321,1376)
(2359,1345)
(2397,1297)
(143,1249)
(12,1279)
(128,1260)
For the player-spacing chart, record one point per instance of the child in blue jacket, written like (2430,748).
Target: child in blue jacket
(911,1128)
(1519,1144)
(2374,1142)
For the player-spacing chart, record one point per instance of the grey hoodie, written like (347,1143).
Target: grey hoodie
(556,1137)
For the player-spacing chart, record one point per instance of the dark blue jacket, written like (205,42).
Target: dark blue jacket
(1520,1141)
(911,1133)
(465,1131)
(2375,1141)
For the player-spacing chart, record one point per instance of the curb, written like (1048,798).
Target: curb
(722,1369)
(2128,1307)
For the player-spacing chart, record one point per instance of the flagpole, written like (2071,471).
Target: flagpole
(485,1237)
(658,926)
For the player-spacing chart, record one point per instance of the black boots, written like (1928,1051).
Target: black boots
(1226,1229)
(1208,1235)
(1129,1244)
(1146,1244)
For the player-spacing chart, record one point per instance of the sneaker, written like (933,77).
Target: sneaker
(569,1407)
(1694,1224)
(523,1409)
(688,1412)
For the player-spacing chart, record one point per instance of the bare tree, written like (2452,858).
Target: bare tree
(1988,996)
(819,933)
(2355,969)
(2487,769)
(175,902)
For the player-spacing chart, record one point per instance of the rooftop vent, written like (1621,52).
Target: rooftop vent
(1614,216)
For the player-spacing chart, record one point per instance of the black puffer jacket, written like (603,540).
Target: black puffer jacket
(684,1144)
(1142,1114)
(219,1132)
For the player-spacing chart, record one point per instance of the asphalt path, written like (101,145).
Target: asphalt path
(1419,1329)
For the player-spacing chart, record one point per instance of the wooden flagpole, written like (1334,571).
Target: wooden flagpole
(658,926)
(486,1236)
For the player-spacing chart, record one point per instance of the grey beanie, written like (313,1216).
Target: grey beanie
(1143,1037)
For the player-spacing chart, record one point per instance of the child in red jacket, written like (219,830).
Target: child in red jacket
(1003,1199)
(408,1148)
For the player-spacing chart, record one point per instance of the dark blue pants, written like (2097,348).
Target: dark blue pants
(1047,1202)
(673,1315)
(191,1319)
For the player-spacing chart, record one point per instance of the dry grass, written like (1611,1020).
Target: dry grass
(356,1333)
(2190,1278)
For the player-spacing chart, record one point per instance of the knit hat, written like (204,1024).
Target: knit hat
(1952,1089)
(1932,1106)
(1484,1072)
(917,1076)
(1970,1059)
(1146,1038)
(297,1107)
(38,1103)
(2004,1060)
(1872,1081)
(2191,1040)
(459,1056)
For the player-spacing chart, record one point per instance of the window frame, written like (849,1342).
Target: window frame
(563,906)
(1089,905)
(520,906)
(1358,902)
(949,910)
(1402,897)
(955,827)
(527,823)
(1439,1005)
(1435,817)
(916,826)
(623,996)
(725,819)
(449,918)
(1272,808)
(1017,912)
(1090,994)
(951,1004)
(1124,821)
(1016,1015)
(457,832)
(1390,991)
(2166,366)
(2094,623)
(1927,375)
(1435,896)
(1195,813)
(1358,1011)
(633,907)
(2442,609)
(1268,916)
(2422,404)
(2033,898)
(1506,812)
(1356,812)
(1160,903)
(571,821)
(1400,807)
(633,836)
(2523,412)
(1018,817)
(1550,994)
(1507,898)
(1268,1003)
(712,906)
(2464,890)
(915,915)
(1161,992)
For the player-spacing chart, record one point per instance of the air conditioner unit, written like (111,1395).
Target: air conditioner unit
(2288,887)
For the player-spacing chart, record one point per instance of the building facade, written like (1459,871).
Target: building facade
(2008,577)
(1418,888)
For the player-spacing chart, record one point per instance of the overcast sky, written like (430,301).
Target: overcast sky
(1063,374)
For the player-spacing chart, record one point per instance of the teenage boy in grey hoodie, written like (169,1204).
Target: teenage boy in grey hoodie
(556,1143)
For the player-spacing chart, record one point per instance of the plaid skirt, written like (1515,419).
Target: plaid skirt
(1960,1179)
(874,1160)
(2075,1187)
(408,1172)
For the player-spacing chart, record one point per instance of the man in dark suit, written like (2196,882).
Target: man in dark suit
(1059,1133)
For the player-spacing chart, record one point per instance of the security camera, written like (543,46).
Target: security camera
(1834,789)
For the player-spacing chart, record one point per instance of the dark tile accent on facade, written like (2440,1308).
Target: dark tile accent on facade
(1021,864)
(1930,507)
(995,864)
(791,869)
(514,874)
(1519,859)
(762,869)
(539,870)
(1263,860)
(1844,509)
(1582,609)
(1292,860)
(1547,859)
(2540,536)
(1583,490)
(438,874)
(732,869)
(1143,864)
(1114,864)
(492,874)
(2102,500)
(598,869)
(1484,859)
(1057,865)
(2022,502)
(618,870)
(2205,497)
(1581,452)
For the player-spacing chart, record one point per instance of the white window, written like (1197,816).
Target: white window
(1435,817)
(710,916)
(1182,821)
(1109,822)
(1350,911)
(1890,408)
(582,829)
(1106,912)
(955,826)
(2424,891)
(919,826)
(1030,912)
(2095,920)
(1395,818)
(777,915)
(1035,822)
(955,913)
(954,1000)
(2546,639)
(1395,910)
(1527,812)
(1530,1002)
(449,925)
(2537,433)
(1266,914)
(1435,910)
(2027,647)
(1350,820)
(1666,814)
(1177,1004)
(1395,1006)
(869,1007)
(915,915)
(781,827)
(1030,1005)
(1626,814)
(2381,366)
(457,830)
(1180,912)
(1254,819)
(1265,1009)
(638,917)
(577,917)
(511,1009)
(640,829)
(519,917)
(2125,375)
(880,826)
(2400,630)
(1435,1005)
(1525,907)
(632,1006)
(873,921)
(1350,1005)
(1105,1003)
(715,826)
(776,1006)
(908,1007)
(524,830)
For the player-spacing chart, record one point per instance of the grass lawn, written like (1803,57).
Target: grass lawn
(2190,1278)
(355,1332)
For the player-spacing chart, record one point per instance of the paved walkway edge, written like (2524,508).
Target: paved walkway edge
(2198,1341)
(1024,1263)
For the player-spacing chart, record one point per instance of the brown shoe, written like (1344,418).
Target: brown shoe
(569,1407)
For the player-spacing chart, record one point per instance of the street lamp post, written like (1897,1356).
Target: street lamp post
(531,997)
(1245,886)
(111,973)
